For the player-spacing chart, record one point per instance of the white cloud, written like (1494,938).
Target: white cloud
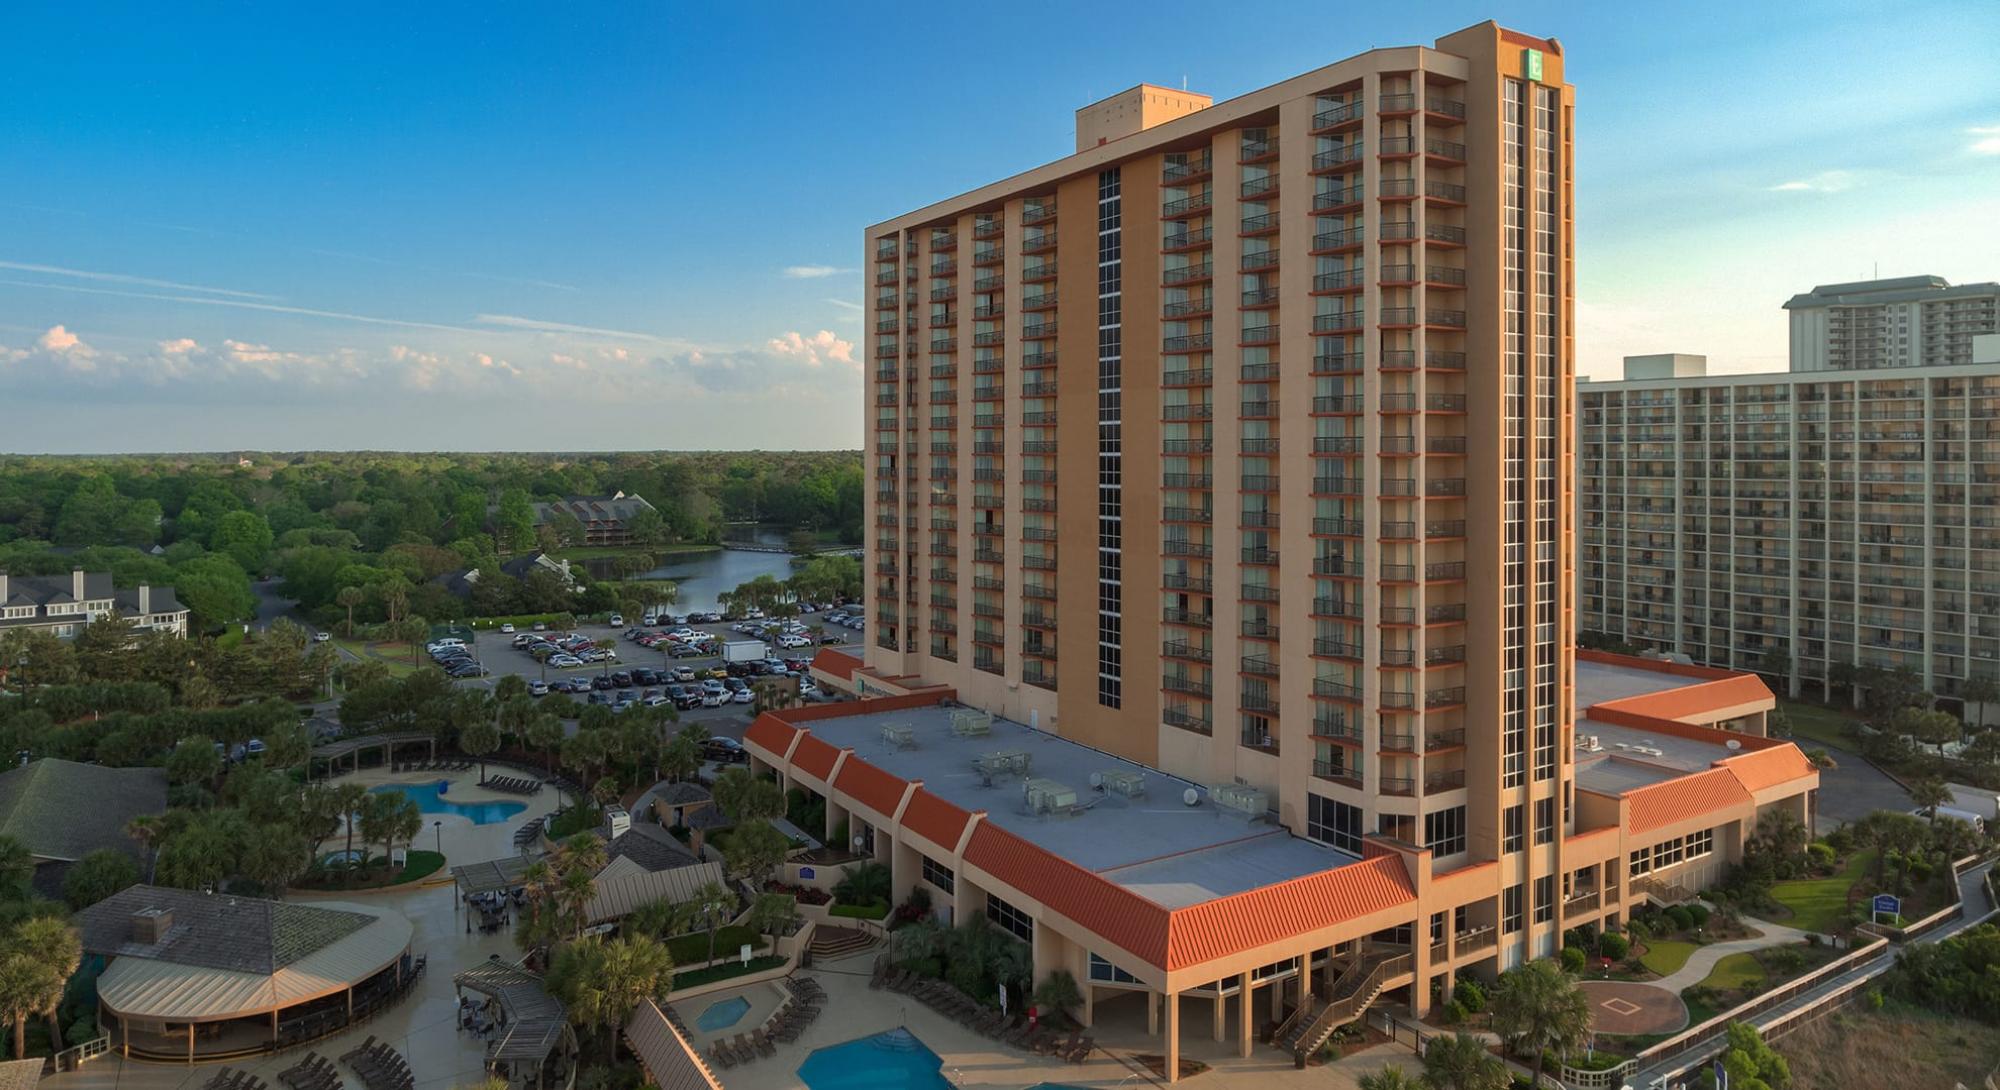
(816,349)
(123,278)
(847,305)
(1985,140)
(61,341)
(1826,181)
(812,272)
(179,346)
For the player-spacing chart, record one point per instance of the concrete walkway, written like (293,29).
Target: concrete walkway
(1704,958)
(1977,908)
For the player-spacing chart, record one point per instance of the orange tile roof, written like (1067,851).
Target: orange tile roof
(935,820)
(1692,701)
(815,757)
(1244,921)
(871,787)
(1684,797)
(772,734)
(838,663)
(1125,919)
(1770,767)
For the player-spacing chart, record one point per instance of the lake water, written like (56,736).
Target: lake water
(702,576)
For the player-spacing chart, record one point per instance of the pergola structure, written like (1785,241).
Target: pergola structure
(533,1025)
(353,748)
(491,876)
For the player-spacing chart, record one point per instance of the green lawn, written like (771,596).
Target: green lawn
(1666,956)
(1814,723)
(420,864)
(395,656)
(1818,904)
(1734,971)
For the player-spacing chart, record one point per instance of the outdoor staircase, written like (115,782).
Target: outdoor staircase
(1662,892)
(1358,985)
(829,943)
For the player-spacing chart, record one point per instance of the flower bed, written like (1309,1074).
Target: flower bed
(806,894)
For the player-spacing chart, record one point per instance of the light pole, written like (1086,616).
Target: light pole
(437,828)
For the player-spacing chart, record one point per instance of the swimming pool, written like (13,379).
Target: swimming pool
(430,799)
(895,1060)
(722,1015)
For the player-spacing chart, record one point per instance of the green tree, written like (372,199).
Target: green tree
(1930,793)
(478,739)
(1461,1062)
(755,849)
(39,957)
(98,875)
(1058,993)
(1750,1063)
(17,869)
(1539,1008)
(773,914)
(194,760)
(348,598)
(244,537)
(709,909)
(149,830)
(514,522)
(1979,691)
(745,796)
(273,856)
(635,968)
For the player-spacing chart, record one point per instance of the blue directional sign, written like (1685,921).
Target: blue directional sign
(1888,904)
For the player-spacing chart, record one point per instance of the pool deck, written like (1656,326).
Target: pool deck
(423,1027)
(980,1063)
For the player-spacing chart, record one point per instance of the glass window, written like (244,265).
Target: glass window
(939,875)
(1010,919)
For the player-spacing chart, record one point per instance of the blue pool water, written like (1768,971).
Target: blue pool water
(430,799)
(722,1015)
(895,1060)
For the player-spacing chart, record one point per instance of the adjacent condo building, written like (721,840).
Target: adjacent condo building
(1834,517)
(1221,537)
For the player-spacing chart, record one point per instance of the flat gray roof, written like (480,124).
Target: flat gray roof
(1598,682)
(1167,852)
(1629,758)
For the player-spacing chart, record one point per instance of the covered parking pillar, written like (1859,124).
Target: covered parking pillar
(1173,1049)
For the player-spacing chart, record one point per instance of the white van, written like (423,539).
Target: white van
(1978,823)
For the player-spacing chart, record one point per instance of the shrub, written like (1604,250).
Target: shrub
(1698,913)
(865,883)
(1468,994)
(1058,993)
(1821,854)
(1678,918)
(1614,947)
(1454,1013)
(873,910)
(1639,931)
(1574,959)
(1788,960)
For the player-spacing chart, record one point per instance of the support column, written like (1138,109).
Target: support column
(1173,1049)
(1216,1010)
(1152,1014)
(1089,1005)
(1277,1002)
(1243,1005)
(190,1042)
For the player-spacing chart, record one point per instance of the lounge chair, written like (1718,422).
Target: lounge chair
(719,1055)
(765,1047)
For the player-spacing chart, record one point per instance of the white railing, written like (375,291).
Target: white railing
(73,1057)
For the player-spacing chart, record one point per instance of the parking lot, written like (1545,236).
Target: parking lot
(493,651)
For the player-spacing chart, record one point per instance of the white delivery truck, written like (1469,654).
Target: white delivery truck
(745,651)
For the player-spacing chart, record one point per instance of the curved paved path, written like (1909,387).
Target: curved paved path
(1704,958)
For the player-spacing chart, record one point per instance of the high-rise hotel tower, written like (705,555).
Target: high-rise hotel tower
(1237,443)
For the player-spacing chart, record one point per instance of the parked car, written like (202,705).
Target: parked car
(742,696)
(788,640)
(687,651)
(683,673)
(322,637)
(601,683)
(508,627)
(655,701)
(615,620)
(714,700)
(622,679)
(724,751)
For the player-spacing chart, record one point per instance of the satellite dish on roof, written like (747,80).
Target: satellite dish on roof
(1097,779)
(1733,744)
(1191,797)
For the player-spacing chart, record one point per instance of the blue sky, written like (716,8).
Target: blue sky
(426,226)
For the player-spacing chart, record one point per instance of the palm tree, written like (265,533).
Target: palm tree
(1389,1078)
(1930,793)
(1539,1006)
(710,908)
(1979,691)
(148,830)
(1461,1062)
(351,797)
(544,731)
(479,739)
(680,758)
(349,597)
(634,968)
(51,944)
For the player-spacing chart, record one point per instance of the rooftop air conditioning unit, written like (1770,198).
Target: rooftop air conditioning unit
(617,821)
(150,925)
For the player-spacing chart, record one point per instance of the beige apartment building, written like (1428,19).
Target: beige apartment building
(1226,464)
(1840,517)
